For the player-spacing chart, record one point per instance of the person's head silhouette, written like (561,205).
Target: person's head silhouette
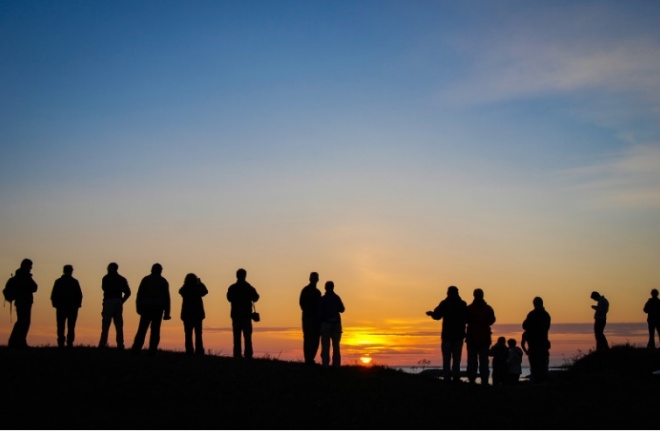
(113,267)
(329,286)
(68,269)
(538,302)
(26,264)
(156,269)
(595,295)
(654,293)
(478,294)
(314,277)
(241,274)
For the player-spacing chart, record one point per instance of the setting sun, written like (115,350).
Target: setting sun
(366,360)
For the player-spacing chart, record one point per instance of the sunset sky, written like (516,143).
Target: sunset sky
(395,147)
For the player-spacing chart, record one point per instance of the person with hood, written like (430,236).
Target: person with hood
(153,305)
(535,342)
(192,313)
(480,317)
(330,309)
(453,312)
(24,288)
(66,298)
(242,295)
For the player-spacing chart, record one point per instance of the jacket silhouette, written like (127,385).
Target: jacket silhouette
(480,317)
(192,312)
(453,312)
(66,298)
(536,342)
(652,310)
(25,287)
(241,296)
(153,305)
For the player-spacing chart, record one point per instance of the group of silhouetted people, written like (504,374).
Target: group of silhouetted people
(471,325)
(152,305)
(321,321)
(321,312)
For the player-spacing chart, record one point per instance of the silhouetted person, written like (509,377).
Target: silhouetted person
(153,306)
(652,310)
(242,295)
(453,312)
(66,297)
(192,312)
(480,316)
(25,287)
(600,320)
(536,343)
(500,353)
(330,309)
(309,304)
(115,293)
(514,362)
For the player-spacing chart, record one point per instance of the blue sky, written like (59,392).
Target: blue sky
(395,147)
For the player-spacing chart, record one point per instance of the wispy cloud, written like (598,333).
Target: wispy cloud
(593,50)
(630,178)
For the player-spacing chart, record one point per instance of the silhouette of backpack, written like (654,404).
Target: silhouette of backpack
(10,292)
(10,289)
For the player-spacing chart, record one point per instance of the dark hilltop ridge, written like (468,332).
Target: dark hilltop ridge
(88,388)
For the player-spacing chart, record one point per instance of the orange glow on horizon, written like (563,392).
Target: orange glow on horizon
(366,360)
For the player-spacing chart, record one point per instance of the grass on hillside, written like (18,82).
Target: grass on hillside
(88,388)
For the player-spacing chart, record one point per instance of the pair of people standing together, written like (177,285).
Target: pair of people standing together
(152,303)
(469,324)
(321,322)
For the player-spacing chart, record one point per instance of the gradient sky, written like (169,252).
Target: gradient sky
(396,147)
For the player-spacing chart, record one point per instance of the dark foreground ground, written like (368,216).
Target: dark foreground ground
(86,388)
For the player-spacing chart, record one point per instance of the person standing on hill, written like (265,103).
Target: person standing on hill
(24,287)
(242,295)
(652,310)
(600,320)
(330,309)
(453,312)
(535,341)
(480,317)
(153,306)
(115,293)
(192,313)
(309,304)
(66,298)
